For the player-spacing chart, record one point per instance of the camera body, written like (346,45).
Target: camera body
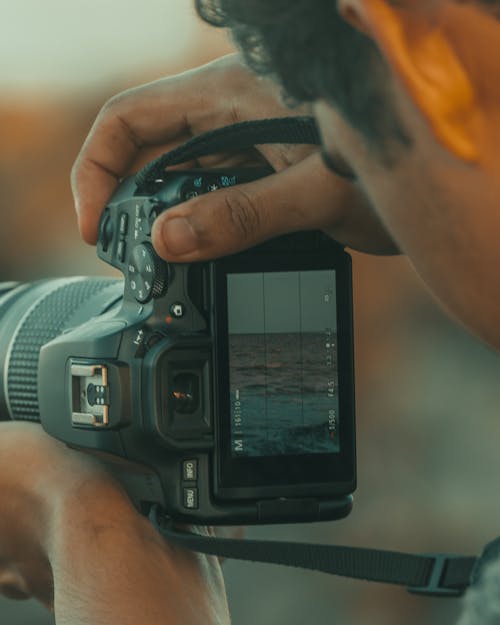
(221,390)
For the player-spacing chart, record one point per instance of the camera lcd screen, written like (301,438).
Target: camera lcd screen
(283,365)
(285,371)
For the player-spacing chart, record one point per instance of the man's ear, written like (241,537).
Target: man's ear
(423,59)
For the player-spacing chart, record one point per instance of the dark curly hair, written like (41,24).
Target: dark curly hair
(307,47)
(313,53)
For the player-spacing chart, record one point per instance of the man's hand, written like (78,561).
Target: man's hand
(70,538)
(141,123)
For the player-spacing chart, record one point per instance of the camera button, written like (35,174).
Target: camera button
(190,470)
(191,498)
(148,225)
(152,208)
(148,274)
(121,250)
(105,231)
(123,227)
(177,310)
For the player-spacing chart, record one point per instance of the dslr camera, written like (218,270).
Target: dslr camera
(221,390)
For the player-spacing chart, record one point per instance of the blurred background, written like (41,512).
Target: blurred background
(428,398)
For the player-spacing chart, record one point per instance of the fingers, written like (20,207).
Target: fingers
(146,116)
(304,196)
(137,125)
(13,584)
(141,123)
(158,115)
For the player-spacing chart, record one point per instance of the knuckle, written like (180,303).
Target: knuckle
(114,103)
(234,112)
(115,113)
(243,213)
(109,108)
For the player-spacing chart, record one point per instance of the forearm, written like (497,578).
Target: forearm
(110,566)
(70,537)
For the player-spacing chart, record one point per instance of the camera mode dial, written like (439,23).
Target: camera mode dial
(147,273)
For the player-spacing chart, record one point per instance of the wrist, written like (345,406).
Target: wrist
(111,566)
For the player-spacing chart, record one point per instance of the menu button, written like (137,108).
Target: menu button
(191,498)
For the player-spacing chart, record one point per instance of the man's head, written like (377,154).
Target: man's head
(407,97)
(348,52)
(315,54)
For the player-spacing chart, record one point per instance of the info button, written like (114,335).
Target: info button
(190,470)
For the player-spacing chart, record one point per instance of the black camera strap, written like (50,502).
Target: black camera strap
(241,136)
(428,574)
(436,574)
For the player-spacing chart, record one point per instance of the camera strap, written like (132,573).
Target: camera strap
(428,574)
(435,574)
(237,137)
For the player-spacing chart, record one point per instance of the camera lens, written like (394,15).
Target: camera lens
(186,393)
(33,315)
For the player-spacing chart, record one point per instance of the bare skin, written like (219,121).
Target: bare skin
(440,199)
(70,538)
(155,117)
(421,206)
(438,204)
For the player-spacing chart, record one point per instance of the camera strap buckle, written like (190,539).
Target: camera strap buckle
(448,577)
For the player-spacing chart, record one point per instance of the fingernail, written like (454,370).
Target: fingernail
(179,236)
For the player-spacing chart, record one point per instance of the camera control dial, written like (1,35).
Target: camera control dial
(147,273)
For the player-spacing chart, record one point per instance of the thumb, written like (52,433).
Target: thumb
(305,196)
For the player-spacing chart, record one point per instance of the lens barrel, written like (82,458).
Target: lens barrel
(32,315)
